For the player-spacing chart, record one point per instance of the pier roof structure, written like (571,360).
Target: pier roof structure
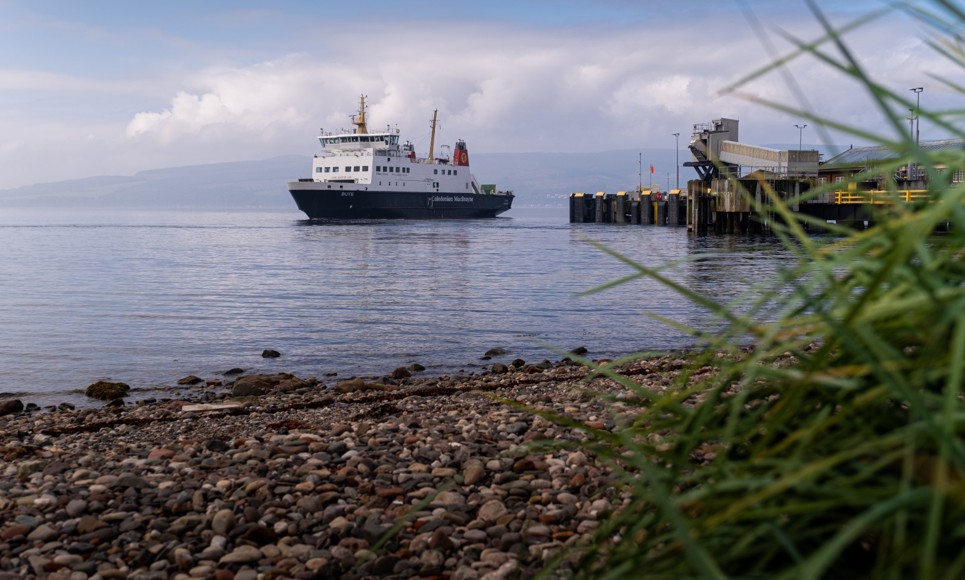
(863,156)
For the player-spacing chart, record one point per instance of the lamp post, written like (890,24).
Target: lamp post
(911,131)
(800,135)
(917,91)
(676,138)
(640,185)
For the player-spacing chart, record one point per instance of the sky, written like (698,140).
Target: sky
(113,87)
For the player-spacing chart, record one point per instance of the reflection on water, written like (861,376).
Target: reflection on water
(147,298)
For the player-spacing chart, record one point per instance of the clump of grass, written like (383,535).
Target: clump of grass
(834,447)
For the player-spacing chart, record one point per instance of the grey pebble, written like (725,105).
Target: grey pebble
(304,481)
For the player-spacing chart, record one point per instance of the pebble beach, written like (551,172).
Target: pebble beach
(402,477)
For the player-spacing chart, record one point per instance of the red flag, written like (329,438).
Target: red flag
(651,168)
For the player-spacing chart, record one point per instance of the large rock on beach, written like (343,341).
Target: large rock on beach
(256,385)
(10,406)
(107,390)
(356,384)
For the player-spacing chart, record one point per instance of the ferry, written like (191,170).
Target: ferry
(361,175)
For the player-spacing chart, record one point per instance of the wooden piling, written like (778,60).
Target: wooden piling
(599,205)
(646,209)
(673,209)
(619,208)
(577,208)
(661,212)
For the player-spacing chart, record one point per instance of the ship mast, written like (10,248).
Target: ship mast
(359,122)
(432,139)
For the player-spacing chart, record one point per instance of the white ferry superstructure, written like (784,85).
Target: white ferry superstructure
(363,175)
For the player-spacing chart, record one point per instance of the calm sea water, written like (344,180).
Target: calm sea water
(149,297)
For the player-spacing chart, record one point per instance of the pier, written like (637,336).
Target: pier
(643,207)
(737,184)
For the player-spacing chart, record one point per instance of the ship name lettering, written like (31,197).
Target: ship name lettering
(455,198)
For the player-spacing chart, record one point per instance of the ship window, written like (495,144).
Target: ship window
(348,169)
(318,170)
(356,168)
(435,172)
(365,168)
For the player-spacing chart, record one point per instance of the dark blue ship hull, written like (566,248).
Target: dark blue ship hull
(334,201)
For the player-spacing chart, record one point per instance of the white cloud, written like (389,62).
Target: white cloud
(503,88)
(247,98)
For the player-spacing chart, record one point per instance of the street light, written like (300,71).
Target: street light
(917,91)
(800,135)
(676,139)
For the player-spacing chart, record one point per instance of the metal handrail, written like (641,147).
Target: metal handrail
(880,197)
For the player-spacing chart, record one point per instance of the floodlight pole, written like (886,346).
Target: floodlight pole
(800,136)
(676,137)
(917,91)
(640,175)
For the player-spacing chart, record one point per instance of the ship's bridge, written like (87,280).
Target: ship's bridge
(355,142)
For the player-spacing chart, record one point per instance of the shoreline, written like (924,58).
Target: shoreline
(213,384)
(304,482)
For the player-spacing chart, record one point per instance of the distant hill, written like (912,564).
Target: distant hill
(536,178)
(236,185)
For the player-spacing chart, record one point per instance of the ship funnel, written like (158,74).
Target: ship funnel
(461,154)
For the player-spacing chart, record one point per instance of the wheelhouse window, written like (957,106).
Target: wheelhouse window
(365,168)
